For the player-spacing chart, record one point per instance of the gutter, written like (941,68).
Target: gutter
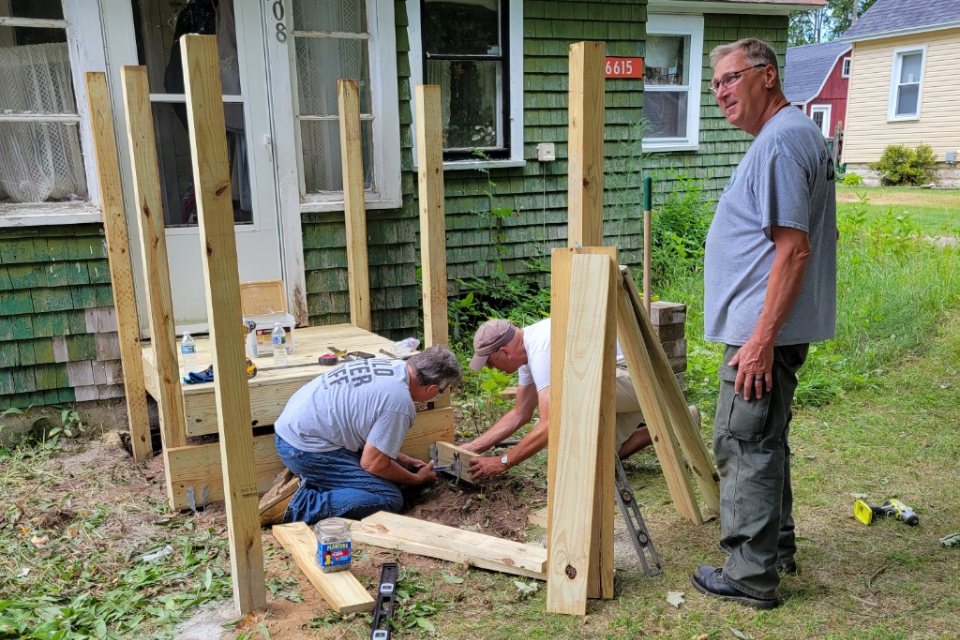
(882,35)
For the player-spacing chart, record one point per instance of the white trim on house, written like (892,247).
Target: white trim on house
(692,26)
(955,24)
(898,55)
(826,110)
(845,65)
(745,7)
(515,63)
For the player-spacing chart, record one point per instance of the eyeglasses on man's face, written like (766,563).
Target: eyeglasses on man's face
(729,79)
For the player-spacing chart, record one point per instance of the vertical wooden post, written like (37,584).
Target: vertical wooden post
(433,241)
(355,212)
(121,274)
(585,155)
(156,269)
(211,175)
(590,346)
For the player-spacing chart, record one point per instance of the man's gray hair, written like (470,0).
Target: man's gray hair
(436,365)
(754,51)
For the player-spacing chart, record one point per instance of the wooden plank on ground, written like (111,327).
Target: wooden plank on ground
(118,253)
(538,518)
(374,535)
(340,589)
(445,456)
(654,411)
(355,211)
(153,251)
(484,551)
(684,428)
(585,156)
(574,491)
(211,177)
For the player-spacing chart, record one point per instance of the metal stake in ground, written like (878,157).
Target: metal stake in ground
(647,240)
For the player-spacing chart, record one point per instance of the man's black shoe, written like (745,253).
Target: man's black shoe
(709,581)
(789,567)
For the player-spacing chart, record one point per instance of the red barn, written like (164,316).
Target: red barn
(816,78)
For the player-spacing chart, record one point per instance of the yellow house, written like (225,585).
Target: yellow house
(903,84)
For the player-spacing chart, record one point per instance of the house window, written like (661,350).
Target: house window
(40,152)
(906,84)
(472,49)
(671,87)
(820,114)
(845,68)
(350,39)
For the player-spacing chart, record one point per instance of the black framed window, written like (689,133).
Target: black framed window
(466,53)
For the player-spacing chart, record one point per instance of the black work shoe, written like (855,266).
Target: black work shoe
(789,567)
(709,581)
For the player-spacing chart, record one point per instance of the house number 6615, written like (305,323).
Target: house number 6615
(278,14)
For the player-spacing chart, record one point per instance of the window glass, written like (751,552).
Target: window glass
(666,114)
(158,25)
(332,41)
(818,119)
(910,69)
(40,155)
(464,54)
(664,64)
(907,99)
(908,91)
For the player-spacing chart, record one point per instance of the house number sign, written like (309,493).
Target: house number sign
(278,11)
(623,68)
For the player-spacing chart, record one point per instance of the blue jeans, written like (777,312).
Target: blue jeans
(334,484)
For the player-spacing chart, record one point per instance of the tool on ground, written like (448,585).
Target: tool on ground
(386,596)
(350,356)
(638,530)
(453,468)
(647,239)
(865,513)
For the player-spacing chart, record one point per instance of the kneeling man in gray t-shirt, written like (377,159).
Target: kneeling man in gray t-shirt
(340,437)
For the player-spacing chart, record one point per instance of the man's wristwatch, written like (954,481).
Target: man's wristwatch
(505,461)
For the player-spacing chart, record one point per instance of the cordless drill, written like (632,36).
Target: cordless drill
(865,513)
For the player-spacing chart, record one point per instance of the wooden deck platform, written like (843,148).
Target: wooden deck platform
(199,465)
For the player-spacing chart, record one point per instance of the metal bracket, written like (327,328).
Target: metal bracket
(638,530)
(192,498)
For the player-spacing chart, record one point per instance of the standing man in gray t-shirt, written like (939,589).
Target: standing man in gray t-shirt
(770,290)
(340,436)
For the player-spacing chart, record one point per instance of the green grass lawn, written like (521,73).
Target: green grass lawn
(937,211)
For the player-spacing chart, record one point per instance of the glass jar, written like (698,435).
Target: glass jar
(333,544)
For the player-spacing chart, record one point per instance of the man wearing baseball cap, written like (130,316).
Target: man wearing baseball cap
(501,345)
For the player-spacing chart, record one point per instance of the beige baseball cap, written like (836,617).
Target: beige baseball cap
(491,336)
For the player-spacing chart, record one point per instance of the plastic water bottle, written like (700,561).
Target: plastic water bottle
(404,347)
(279,340)
(188,351)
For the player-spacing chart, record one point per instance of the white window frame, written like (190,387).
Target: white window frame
(845,67)
(85,43)
(825,109)
(692,27)
(515,60)
(384,98)
(898,55)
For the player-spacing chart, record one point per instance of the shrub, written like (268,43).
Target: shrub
(903,165)
(680,228)
(852,180)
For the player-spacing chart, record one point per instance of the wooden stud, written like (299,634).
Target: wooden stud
(445,456)
(685,430)
(654,411)
(340,589)
(586,352)
(211,176)
(118,253)
(351,153)
(585,156)
(433,241)
(153,250)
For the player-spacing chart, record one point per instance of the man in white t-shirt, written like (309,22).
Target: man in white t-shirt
(501,345)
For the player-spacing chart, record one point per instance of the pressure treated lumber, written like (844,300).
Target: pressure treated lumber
(153,253)
(433,238)
(211,177)
(340,589)
(704,472)
(654,411)
(445,453)
(589,342)
(585,156)
(375,536)
(602,551)
(355,212)
(486,552)
(118,253)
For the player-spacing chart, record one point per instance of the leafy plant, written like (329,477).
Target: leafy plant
(852,179)
(902,165)
(680,228)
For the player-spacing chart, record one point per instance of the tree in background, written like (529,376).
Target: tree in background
(826,23)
